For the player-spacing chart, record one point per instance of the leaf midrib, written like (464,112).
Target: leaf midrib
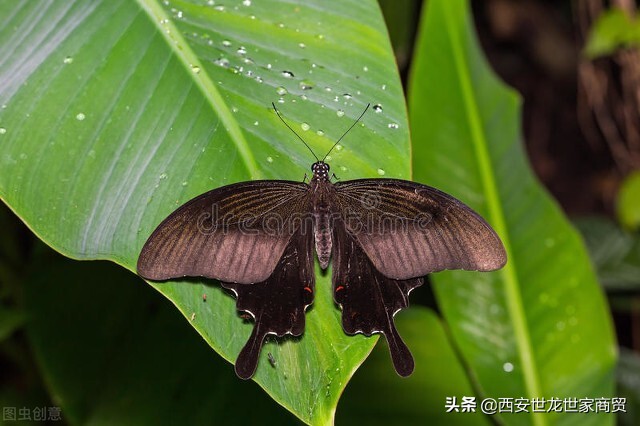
(182,50)
(488,181)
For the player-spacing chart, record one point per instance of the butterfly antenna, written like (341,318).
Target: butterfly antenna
(345,133)
(294,132)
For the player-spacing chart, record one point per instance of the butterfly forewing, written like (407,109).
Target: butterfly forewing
(409,230)
(236,233)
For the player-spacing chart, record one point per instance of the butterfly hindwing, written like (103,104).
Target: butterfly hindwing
(409,230)
(277,304)
(368,299)
(236,233)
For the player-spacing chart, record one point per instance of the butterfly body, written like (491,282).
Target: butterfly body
(323,192)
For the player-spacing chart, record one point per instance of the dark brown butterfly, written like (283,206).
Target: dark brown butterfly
(258,237)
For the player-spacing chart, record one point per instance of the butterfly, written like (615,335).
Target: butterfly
(258,239)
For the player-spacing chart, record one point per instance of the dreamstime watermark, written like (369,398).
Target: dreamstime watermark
(366,219)
(31,414)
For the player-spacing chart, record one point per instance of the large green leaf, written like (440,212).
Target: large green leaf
(538,328)
(113,113)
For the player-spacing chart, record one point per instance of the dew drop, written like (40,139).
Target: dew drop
(347,96)
(381,172)
(377,108)
(327,89)
(219,8)
(185,183)
(246,3)
(234,109)
(365,68)
(306,85)
(259,79)
(393,126)
(67,60)
(507,367)
(163,176)
(222,62)
(339,147)
(269,159)
(343,169)
(241,50)
(195,69)
(305,126)
(320,132)
(340,113)
(384,87)
(281,91)
(3,131)
(226,43)
(287,74)
(80,116)
(256,123)
(302,45)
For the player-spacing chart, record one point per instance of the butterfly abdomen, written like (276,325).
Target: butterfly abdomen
(322,234)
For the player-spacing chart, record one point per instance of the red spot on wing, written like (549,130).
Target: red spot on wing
(307,288)
(340,287)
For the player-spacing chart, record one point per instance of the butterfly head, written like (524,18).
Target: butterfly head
(320,170)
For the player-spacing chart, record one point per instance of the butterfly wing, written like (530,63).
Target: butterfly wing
(409,230)
(278,303)
(368,299)
(236,233)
